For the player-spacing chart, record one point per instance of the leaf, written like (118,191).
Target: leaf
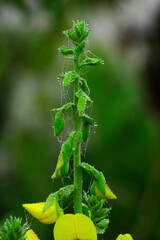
(83,98)
(87,120)
(101,226)
(62,166)
(94,208)
(82,104)
(85,131)
(77,138)
(66,107)
(49,202)
(84,86)
(58,124)
(65,50)
(80,48)
(90,62)
(65,192)
(69,77)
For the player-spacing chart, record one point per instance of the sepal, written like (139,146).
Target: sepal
(99,186)
(62,167)
(58,124)
(69,77)
(91,62)
(66,52)
(84,86)
(83,98)
(86,125)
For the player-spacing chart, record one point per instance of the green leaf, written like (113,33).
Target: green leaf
(52,200)
(94,173)
(85,131)
(91,62)
(62,167)
(69,77)
(13,229)
(87,120)
(65,50)
(80,48)
(63,109)
(101,226)
(49,202)
(82,104)
(83,98)
(77,138)
(58,124)
(94,208)
(66,107)
(84,86)
(65,192)
(84,36)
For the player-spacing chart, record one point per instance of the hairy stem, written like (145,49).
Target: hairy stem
(76,155)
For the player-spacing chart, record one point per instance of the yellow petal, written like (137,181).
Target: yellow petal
(85,229)
(30,235)
(124,237)
(64,228)
(35,209)
(109,194)
(71,227)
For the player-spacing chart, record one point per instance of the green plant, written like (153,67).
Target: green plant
(13,229)
(91,213)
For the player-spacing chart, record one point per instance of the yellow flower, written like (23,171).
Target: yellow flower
(124,237)
(74,226)
(30,235)
(47,217)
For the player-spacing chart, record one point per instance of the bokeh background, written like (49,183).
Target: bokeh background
(126,95)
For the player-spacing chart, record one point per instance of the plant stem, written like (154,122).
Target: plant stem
(77,155)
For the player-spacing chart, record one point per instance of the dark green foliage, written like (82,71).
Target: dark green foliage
(93,207)
(85,131)
(13,229)
(86,125)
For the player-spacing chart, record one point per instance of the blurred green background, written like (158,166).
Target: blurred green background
(126,95)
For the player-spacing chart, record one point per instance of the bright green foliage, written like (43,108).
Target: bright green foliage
(93,207)
(69,77)
(13,229)
(91,61)
(78,33)
(64,108)
(83,98)
(84,86)
(58,124)
(82,123)
(66,52)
